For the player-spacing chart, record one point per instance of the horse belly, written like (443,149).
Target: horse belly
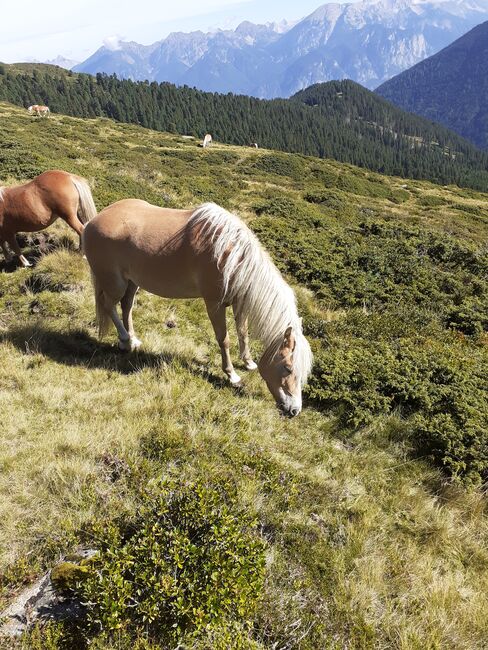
(168,277)
(29,216)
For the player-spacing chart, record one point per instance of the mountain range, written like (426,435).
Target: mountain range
(450,87)
(368,41)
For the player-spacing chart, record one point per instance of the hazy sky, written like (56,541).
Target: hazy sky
(42,29)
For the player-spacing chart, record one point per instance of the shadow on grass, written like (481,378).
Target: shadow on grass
(77,348)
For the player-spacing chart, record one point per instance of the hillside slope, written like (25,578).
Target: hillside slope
(371,539)
(450,87)
(348,122)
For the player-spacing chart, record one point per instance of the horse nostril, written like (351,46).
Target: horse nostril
(294,411)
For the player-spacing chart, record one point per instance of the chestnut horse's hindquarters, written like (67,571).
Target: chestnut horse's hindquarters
(86,207)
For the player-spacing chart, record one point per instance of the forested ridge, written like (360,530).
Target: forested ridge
(450,87)
(339,120)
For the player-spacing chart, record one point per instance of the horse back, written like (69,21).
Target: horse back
(154,247)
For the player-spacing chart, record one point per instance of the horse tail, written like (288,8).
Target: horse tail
(86,207)
(103,317)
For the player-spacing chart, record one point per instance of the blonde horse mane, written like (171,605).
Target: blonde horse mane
(2,191)
(253,283)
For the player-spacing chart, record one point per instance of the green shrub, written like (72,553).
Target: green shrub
(190,563)
(439,388)
(430,201)
(470,317)
(280,164)
(280,206)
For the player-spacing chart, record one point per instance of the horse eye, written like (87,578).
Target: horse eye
(288,369)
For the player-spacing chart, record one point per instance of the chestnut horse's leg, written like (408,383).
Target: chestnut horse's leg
(216,313)
(127,303)
(6,253)
(14,245)
(243,336)
(73,221)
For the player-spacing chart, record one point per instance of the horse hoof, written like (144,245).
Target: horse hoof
(250,365)
(234,379)
(131,345)
(135,344)
(25,262)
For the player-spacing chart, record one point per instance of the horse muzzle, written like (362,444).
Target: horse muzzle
(289,406)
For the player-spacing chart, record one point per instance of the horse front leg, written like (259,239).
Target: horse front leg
(14,245)
(216,313)
(243,336)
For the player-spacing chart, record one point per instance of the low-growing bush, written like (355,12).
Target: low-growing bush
(190,563)
(440,388)
(279,164)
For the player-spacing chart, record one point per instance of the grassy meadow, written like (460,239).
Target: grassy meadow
(370,505)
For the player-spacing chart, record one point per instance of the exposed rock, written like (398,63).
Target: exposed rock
(45,600)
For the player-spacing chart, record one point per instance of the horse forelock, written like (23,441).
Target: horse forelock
(253,283)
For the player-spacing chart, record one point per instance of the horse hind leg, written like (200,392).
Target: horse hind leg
(6,253)
(108,293)
(73,222)
(127,304)
(14,245)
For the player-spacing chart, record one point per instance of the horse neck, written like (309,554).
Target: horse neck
(251,282)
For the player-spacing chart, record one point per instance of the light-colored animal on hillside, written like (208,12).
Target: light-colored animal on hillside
(207,140)
(39,110)
(202,253)
(37,204)
(254,145)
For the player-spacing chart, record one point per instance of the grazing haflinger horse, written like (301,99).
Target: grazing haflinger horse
(37,204)
(38,110)
(207,140)
(203,253)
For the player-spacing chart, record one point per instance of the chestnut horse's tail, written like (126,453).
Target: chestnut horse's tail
(86,208)
(103,317)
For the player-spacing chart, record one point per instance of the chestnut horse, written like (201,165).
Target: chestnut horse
(37,204)
(203,253)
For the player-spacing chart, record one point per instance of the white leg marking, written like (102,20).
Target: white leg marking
(135,343)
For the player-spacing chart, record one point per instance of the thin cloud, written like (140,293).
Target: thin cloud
(113,43)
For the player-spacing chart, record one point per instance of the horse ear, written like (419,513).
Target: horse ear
(289,339)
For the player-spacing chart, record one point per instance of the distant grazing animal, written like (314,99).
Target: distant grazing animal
(38,110)
(254,144)
(202,253)
(207,140)
(37,204)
